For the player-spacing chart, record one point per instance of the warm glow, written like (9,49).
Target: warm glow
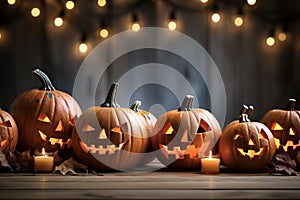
(0,36)
(276,127)
(251,153)
(238,21)
(136,27)
(210,154)
(215,17)
(282,36)
(58,21)
(251,2)
(170,130)
(60,126)
(270,41)
(204,1)
(83,47)
(101,3)
(250,142)
(172,25)
(11,2)
(43,151)
(103,33)
(292,132)
(102,135)
(70,5)
(35,12)
(43,118)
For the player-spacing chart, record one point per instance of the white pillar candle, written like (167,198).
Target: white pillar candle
(210,164)
(43,163)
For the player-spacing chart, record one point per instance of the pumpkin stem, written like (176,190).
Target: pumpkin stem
(244,109)
(290,104)
(244,118)
(46,83)
(110,100)
(249,112)
(187,103)
(135,106)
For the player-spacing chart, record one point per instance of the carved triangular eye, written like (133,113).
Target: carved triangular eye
(87,128)
(102,135)
(170,130)
(262,135)
(276,127)
(292,132)
(60,126)
(203,127)
(44,118)
(251,142)
(7,124)
(236,136)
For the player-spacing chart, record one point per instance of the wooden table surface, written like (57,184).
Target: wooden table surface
(160,184)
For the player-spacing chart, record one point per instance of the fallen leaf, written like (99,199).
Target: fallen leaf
(70,166)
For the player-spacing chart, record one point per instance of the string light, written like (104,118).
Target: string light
(282,36)
(135,25)
(11,2)
(251,2)
(35,12)
(83,47)
(270,40)
(204,1)
(70,5)
(103,30)
(58,21)
(215,17)
(238,21)
(101,3)
(172,23)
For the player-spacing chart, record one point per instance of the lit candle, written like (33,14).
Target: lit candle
(43,163)
(210,164)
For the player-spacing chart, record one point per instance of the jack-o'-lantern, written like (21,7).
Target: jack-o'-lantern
(285,126)
(182,136)
(8,133)
(108,137)
(150,121)
(246,145)
(45,117)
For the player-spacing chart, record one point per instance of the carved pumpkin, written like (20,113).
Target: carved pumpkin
(8,133)
(246,145)
(181,136)
(285,126)
(44,117)
(108,137)
(150,120)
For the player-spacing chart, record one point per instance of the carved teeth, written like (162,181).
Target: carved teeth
(191,151)
(109,149)
(250,153)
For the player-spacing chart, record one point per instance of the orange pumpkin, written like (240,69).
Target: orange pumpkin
(8,133)
(246,145)
(108,137)
(285,126)
(150,120)
(181,136)
(44,117)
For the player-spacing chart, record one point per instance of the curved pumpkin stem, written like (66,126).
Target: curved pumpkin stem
(187,103)
(244,109)
(135,106)
(249,112)
(290,104)
(46,83)
(110,100)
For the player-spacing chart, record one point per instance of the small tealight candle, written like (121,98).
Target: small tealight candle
(43,163)
(210,164)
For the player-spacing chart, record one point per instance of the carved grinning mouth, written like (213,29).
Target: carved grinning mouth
(290,145)
(109,149)
(54,141)
(251,153)
(191,151)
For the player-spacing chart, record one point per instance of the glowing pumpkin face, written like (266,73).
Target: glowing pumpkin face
(182,135)
(108,137)
(8,133)
(285,126)
(246,145)
(45,117)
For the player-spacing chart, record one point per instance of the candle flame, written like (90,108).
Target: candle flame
(210,154)
(43,152)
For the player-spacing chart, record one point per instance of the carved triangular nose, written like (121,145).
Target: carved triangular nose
(60,126)
(102,135)
(250,142)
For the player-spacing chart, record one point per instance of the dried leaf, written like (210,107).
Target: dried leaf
(21,161)
(284,164)
(4,163)
(70,166)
